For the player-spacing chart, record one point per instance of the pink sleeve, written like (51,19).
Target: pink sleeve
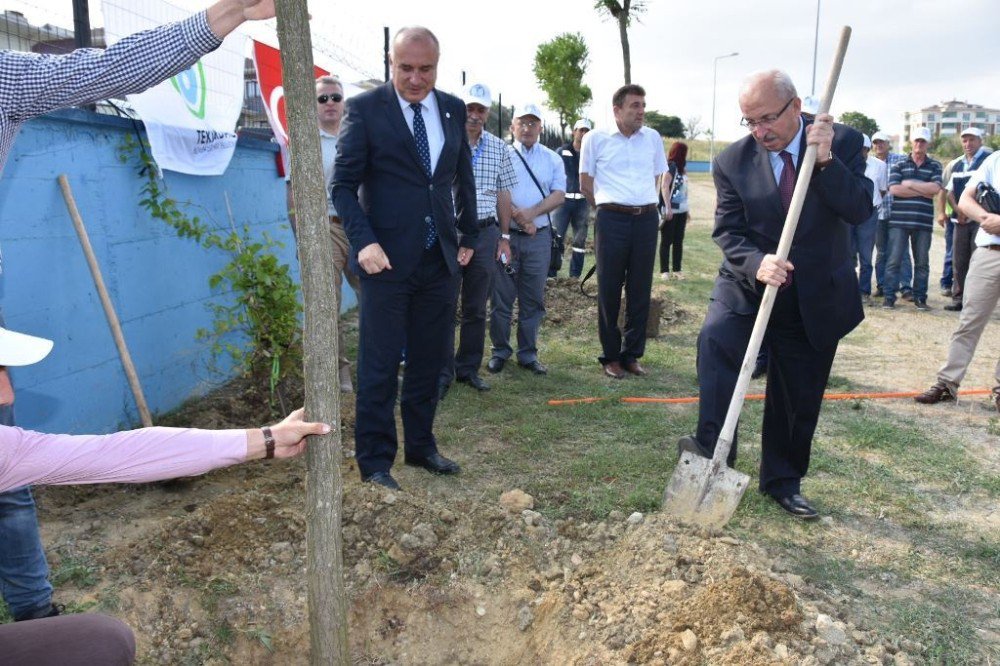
(134,456)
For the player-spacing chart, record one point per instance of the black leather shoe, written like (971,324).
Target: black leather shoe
(51,610)
(383,479)
(689,444)
(436,464)
(475,381)
(535,366)
(953,307)
(798,506)
(496,364)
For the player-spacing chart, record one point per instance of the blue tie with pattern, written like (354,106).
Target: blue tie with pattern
(424,150)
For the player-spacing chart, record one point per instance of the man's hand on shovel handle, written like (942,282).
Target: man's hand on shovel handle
(774,271)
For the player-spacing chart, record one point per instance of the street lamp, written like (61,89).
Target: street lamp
(715,73)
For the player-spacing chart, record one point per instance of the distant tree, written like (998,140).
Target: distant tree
(622,12)
(993,141)
(945,148)
(692,127)
(559,68)
(860,122)
(666,125)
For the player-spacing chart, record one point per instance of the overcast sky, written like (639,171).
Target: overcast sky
(903,55)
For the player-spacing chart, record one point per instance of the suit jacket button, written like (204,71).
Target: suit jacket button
(432,187)
(428,219)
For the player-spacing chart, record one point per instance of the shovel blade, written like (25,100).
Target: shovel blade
(700,496)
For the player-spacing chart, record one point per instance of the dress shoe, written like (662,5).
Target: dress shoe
(475,381)
(443,387)
(614,370)
(953,307)
(435,463)
(535,366)
(634,368)
(383,479)
(495,364)
(690,444)
(935,394)
(798,506)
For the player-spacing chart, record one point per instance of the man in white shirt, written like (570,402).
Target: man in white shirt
(981,290)
(863,235)
(620,171)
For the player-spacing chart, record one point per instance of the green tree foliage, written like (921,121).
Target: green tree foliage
(622,13)
(859,121)
(559,68)
(671,126)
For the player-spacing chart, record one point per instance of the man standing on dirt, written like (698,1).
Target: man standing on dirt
(495,178)
(818,301)
(31,85)
(620,172)
(330,110)
(880,148)
(981,290)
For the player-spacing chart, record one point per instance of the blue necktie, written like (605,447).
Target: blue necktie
(424,151)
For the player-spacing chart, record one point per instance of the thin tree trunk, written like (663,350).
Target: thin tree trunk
(324,486)
(623,33)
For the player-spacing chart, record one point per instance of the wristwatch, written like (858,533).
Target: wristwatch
(824,163)
(505,236)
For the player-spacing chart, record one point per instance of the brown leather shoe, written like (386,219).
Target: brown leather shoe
(634,368)
(935,394)
(614,370)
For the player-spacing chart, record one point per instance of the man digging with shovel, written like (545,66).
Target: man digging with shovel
(817,302)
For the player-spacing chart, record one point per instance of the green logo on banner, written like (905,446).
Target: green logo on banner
(191,85)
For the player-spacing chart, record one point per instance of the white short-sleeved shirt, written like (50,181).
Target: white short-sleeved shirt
(624,169)
(877,171)
(988,172)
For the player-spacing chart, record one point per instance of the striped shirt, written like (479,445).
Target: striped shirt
(493,170)
(914,212)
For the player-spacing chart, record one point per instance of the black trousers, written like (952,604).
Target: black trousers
(963,244)
(797,374)
(626,251)
(672,240)
(473,284)
(417,312)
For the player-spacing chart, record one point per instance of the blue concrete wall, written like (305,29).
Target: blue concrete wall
(157,281)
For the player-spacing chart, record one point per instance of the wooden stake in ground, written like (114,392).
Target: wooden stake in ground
(324,487)
(109,308)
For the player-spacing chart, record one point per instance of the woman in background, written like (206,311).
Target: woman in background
(674,216)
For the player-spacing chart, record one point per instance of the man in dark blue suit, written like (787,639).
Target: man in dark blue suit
(402,153)
(818,302)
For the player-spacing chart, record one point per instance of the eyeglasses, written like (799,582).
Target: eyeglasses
(335,97)
(530,124)
(766,121)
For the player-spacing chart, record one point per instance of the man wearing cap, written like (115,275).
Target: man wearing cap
(880,147)
(31,85)
(330,110)
(863,235)
(495,178)
(981,290)
(913,183)
(964,228)
(575,211)
(620,172)
(540,189)
(403,186)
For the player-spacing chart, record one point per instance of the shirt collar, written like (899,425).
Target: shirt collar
(425,102)
(793,147)
(525,149)
(968,162)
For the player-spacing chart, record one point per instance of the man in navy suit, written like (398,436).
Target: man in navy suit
(818,302)
(402,153)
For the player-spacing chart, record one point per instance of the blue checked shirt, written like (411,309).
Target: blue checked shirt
(491,165)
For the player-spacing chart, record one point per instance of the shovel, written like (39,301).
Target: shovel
(703,491)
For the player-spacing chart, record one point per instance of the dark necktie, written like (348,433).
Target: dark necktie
(786,184)
(424,151)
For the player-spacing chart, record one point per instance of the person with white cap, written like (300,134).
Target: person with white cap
(135,456)
(32,84)
(540,189)
(913,183)
(881,150)
(863,235)
(964,229)
(575,211)
(495,178)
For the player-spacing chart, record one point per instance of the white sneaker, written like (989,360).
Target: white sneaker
(345,380)
(664,276)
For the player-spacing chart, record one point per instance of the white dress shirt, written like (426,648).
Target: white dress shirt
(877,171)
(432,121)
(624,168)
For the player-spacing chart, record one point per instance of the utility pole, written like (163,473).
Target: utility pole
(715,76)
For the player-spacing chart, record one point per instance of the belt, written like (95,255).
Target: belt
(487,222)
(628,210)
(519,230)
(574,195)
(991,247)
(334,219)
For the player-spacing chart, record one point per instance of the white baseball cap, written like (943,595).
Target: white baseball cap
(868,142)
(477,93)
(20,349)
(972,131)
(920,133)
(880,136)
(582,123)
(528,110)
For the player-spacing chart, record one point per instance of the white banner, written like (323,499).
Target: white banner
(190,118)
